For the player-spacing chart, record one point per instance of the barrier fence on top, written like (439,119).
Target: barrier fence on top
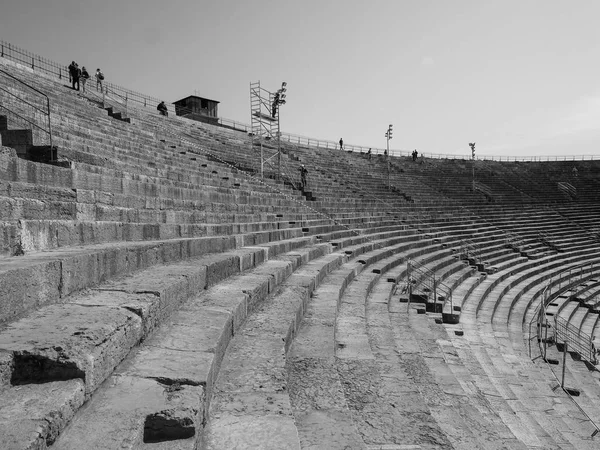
(54,69)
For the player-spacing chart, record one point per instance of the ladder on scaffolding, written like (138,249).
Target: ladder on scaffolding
(264,127)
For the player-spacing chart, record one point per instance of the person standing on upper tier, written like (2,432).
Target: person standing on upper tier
(84,77)
(74,74)
(71,70)
(303,173)
(162,108)
(99,78)
(341,144)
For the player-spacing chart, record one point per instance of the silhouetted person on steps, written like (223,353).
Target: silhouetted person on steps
(369,154)
(341,144)
(99,78)
(74,73)
(84,77)
(71,70)
(303,173)
(163,109)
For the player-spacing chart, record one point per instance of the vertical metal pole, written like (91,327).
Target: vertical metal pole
(388,160)
(545,322)
(409,285)
(49,125)
(473,168)
(278,148)
(564,365)
(262,160)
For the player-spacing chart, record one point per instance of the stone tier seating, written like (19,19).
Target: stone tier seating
(155,296)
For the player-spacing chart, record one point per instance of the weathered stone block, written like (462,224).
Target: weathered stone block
(28,286)
(32,416)
(66,341)
(138,410)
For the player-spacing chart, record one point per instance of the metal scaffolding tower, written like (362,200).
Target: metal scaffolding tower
(264,118)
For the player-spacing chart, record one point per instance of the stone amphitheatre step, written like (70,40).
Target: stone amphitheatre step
(40,279)
(323,363)
(315,387)
(275,244)
(538,397)
(448,383)
(251,406)
(495,339)
(375,387)
(579,376)
(18,170)
(498,308)
(179,364)
(479,295)
(354,252)
(97,331)
(216,433)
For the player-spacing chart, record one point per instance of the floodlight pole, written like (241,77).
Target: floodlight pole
(278,148)
(472,145)
(277,102)
(388,135)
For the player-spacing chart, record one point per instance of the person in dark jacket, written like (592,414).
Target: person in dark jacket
(71,70)
(163,109)
(74,74)
(303,173)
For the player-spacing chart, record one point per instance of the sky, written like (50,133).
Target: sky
(518,77)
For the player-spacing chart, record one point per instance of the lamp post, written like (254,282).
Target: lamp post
(388,135)
(472,145)
(278,100)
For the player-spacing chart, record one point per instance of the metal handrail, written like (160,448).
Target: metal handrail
(428,278)
(577,340)
(482,187)
(470,248)
(539,317)
(568,188)
(45,113)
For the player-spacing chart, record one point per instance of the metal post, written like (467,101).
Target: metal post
(388,135)
(545,321)
(388,163)
(564,364)
(49,124)
(409,285)
(278,149)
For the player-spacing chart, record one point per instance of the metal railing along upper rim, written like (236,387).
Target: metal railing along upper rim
(36,62)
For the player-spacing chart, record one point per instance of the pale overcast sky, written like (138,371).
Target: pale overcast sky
(518,77)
